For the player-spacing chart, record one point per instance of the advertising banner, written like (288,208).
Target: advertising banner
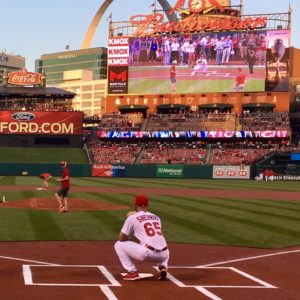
(118,61)
(100,170)
(118,51)
(217,134)
(231,172)
(41,123)
(23,77)
(287,177)
(169,171)
(118,80)
(103,170)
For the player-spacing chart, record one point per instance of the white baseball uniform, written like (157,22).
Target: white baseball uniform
(201,66)
(146,227)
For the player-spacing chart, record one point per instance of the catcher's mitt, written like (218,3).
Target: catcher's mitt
(130,213)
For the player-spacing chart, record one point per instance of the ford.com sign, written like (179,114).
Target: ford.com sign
(41,123)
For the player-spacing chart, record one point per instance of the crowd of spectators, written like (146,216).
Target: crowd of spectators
(216,152)
(192,121)
(237,156)
(32,106)
(117,121)
(185,152)
(216,48)
(173,153)
(261,120)
(108,152)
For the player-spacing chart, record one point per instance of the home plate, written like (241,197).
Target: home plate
(141,275)
(40,189)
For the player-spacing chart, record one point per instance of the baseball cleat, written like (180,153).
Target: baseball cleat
(131,276)
(163,274)
(61,209)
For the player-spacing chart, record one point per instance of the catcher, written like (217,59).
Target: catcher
(146,228)
(46,178)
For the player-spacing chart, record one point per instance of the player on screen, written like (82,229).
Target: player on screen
(173,76)
(240,80)
(201,66)
(46,178)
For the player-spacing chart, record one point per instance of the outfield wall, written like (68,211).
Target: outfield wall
(130,171)
(35,169)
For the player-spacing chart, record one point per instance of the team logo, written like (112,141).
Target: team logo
(219,173)
(230,173)
(23,116)
(117,76)
(243,173)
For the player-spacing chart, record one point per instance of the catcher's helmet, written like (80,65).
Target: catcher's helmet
(63,163)
(141,200)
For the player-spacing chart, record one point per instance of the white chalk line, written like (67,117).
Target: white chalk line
(27,275)
(249,258)
(212,296)
(28,260)
(253,278)
(105,289)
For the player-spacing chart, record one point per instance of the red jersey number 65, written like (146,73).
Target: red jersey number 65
(152,228)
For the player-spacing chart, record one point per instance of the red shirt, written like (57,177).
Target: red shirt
(45,175)
(65,173)
(240,78)
(173,71)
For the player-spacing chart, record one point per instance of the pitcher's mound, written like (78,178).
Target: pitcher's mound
(51,204)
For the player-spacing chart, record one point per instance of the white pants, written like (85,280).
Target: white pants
(128,250)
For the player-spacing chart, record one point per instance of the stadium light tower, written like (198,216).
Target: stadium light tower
(99,14)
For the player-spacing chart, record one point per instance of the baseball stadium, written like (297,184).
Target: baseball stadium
(201,118)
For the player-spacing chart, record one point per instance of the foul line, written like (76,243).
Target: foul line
(249,258)
(28,260)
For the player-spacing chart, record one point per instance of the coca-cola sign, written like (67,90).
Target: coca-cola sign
(23,77)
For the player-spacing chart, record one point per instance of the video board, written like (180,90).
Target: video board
(210,62)
(41,123)
(214,134)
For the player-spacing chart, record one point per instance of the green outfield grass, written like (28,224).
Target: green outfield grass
(42,155)
(186,219)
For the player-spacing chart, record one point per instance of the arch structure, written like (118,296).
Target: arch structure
(99,14)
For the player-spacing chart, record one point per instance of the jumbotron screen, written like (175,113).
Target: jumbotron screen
(247,61)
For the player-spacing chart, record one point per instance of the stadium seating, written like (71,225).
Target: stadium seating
(192,122)
(121,121)
(113,153)
(265,121)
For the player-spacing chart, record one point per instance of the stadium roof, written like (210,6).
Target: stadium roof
(215,105)
(35,92)
(166,106)
(255,105)
(123,107)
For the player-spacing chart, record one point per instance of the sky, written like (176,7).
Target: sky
(32,28)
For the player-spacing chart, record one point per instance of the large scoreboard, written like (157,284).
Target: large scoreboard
(210,48)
